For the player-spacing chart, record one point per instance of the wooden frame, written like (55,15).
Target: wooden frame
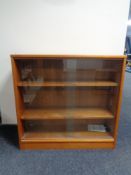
(111,92)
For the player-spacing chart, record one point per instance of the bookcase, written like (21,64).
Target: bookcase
(60,97)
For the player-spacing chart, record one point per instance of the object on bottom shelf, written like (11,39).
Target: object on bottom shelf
(96,128)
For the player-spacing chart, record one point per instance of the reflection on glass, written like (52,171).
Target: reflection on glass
(75,96)
(68,70)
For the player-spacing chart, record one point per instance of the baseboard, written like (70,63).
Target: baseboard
(0,118)
(7,125)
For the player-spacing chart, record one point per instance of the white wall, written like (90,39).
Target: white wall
(55,27)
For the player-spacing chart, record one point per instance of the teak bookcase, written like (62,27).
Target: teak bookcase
(59,96)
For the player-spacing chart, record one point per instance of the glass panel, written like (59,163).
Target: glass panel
(69,96)
(59,129)
(40,97)
(36,70)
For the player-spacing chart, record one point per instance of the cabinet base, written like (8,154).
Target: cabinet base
(69,145)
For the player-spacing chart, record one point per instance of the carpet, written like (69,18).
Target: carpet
(70,162)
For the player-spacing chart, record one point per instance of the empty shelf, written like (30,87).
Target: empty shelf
(67,137)
(61,113)
(66,84)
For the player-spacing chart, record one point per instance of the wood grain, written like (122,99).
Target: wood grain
(66,145)
(67,137)
(30,56)
(97,87)
(66,84)
(76,113)
(119,101)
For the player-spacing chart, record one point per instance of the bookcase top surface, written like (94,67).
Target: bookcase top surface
(30,56)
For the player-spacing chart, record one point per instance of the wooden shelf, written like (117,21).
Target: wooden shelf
(75,113)
(67,137)
(66,84)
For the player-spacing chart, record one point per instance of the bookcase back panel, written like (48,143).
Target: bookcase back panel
(39,97)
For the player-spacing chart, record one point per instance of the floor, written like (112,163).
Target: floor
(67,162)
